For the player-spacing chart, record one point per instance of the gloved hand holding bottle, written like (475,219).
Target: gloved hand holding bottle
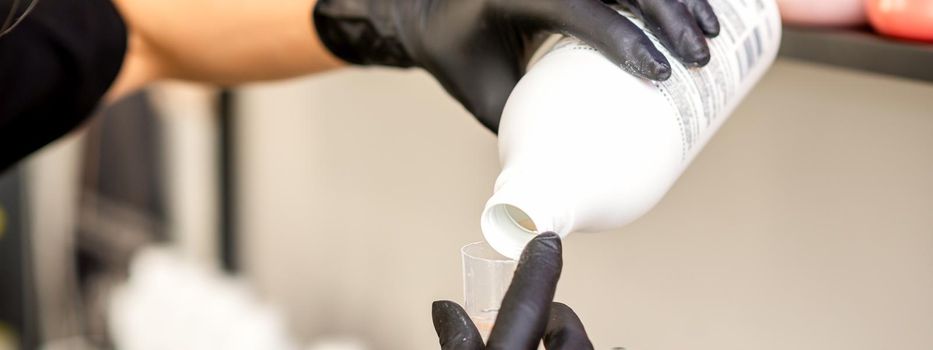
(528,314)
(478,49)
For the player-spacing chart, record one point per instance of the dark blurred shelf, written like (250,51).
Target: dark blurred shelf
(18,310)
(859,49)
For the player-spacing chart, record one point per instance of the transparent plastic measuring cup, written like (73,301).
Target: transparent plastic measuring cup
(486,277)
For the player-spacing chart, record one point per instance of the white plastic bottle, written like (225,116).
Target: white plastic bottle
(587,147)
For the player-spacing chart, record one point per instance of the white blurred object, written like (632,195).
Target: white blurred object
(823,13)
(171,303)
(338,344)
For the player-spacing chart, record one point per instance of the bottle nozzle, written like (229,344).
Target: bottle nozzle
(508,229)
(519,210)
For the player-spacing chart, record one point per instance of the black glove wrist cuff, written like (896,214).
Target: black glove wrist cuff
(354,32)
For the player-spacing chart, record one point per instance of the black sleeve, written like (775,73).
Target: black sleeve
(54,68)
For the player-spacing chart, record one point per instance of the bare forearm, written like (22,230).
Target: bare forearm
(220,41)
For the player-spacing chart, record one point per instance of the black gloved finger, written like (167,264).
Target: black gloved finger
(673,24)
(704,15)
(454,328)
(482,91)
(605,29)
(565,331)
(524,313)
(487,100)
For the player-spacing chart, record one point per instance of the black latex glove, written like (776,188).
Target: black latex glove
(478,49)
(527,315)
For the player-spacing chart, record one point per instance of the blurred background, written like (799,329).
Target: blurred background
(328,212)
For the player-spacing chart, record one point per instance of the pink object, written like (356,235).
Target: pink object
(823,13)
(909,19)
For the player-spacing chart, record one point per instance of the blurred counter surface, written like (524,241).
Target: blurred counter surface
(859,49)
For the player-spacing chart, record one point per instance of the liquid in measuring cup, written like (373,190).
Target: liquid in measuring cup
(484,323)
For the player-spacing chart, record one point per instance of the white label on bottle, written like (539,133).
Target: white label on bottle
(699,95)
